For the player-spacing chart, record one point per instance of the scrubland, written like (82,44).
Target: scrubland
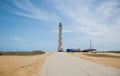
(107,59)
(21,65)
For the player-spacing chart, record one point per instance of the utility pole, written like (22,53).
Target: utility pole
(60,44)
(90,43)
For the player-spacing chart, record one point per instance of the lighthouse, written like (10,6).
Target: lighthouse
(60,44)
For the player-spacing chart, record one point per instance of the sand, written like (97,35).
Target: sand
(21,65)
(107,61)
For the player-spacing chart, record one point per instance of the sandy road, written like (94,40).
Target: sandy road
(61,64)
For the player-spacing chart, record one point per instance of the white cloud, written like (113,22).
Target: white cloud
(17,39)
(91,19)
(27,9)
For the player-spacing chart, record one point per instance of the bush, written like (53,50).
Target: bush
(35,52)
(38,52)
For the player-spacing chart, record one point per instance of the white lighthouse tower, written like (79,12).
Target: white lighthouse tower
(60,44)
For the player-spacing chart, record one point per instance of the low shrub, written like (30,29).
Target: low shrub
(34,52)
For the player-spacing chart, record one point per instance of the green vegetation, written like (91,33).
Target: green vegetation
(34,52)
(114,51)
(38,52)
(101,55)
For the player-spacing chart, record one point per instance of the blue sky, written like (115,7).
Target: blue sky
(33,24)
